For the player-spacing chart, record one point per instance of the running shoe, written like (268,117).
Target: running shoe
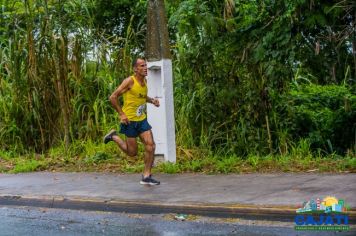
(108,137)
(149,181)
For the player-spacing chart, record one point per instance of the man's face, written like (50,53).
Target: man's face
(141,67)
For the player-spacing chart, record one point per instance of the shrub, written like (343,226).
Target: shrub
(325,115)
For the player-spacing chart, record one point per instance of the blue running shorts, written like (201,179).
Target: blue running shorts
(135,128)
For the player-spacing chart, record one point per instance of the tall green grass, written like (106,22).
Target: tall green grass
(228,113)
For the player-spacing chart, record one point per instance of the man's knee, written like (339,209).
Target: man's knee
(132,153)
(150,147)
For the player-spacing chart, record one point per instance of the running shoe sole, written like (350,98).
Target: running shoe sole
(148,183)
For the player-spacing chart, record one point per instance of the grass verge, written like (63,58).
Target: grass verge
(91,157)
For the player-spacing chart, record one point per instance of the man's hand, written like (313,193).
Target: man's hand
(155,102)
(124,119)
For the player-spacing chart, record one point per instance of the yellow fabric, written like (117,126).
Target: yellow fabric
(135,101)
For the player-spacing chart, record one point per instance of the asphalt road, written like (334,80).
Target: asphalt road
(45,221)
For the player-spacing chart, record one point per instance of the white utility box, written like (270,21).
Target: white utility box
(161,118)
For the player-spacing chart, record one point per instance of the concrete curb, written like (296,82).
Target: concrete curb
(253,212)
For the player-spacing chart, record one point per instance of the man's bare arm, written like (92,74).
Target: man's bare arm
(154,101)
(114,98)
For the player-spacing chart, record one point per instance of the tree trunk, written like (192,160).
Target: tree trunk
(61,77)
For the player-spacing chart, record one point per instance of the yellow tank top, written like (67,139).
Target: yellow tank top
(135,101)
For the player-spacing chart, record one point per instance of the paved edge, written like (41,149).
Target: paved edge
(253,212)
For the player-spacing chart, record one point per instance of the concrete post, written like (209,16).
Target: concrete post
(160,84)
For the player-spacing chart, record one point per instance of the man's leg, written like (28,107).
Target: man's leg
(147,139)
(128,146)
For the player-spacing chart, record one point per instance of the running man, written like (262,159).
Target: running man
(133,119)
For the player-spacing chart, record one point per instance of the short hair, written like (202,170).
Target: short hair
(134,61)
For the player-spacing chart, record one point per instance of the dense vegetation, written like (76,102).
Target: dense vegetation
(250,77)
